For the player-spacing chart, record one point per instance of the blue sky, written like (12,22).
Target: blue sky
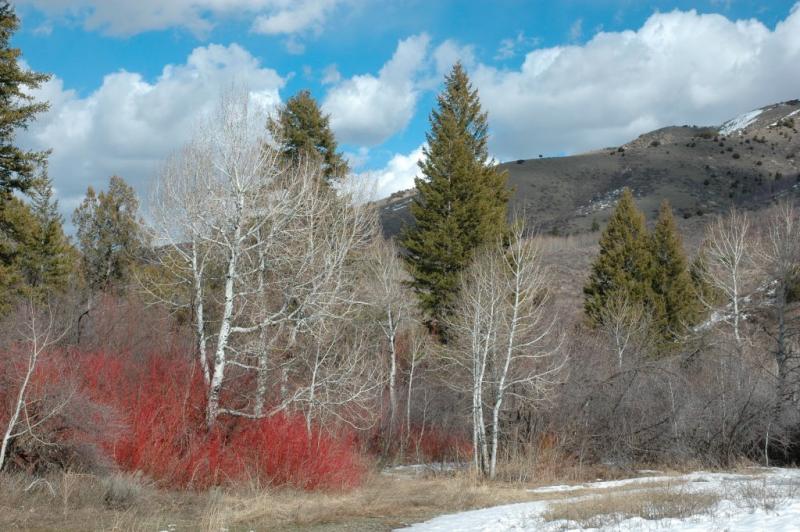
(556,77)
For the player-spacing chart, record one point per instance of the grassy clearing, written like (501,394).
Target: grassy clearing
(122,502)
(609,508)
(72,501)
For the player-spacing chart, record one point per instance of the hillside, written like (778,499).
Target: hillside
(746,161)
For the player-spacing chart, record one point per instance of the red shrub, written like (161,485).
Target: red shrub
(58,428)
(435,445)
(161,401)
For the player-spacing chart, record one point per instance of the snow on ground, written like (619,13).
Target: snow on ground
(600,484)
(768,499)
(739,123)
(422,469)
(790,115)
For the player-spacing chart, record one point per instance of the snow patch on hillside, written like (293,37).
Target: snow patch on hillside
(790,115)
(600,203)
(739,123)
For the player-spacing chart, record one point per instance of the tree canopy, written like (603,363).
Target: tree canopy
(302,130)
(17,108)
(461,200)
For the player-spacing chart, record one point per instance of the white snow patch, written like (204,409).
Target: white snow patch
(420,469)
(600,484)
(739,123)
(736,511)
(599,203)
(790,115)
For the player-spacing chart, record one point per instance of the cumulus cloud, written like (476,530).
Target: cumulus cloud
(127,17)
(450,52)
(678,68)
(128,125)
(367,109)
(398,174)
(293,16)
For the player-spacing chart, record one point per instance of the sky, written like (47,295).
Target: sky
(130,78)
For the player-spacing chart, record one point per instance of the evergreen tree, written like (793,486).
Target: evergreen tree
(17,226)
(625,263)
(50,258)
(461,200)
(17,108)
(675,303)
(301,130)
(109,234)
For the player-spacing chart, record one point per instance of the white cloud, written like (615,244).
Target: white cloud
(678,68)
(398,174)
(366,109)
(576,30)
(331,75)
(128,17)
(511,47)
(293,16)
(450,52)
(128,125)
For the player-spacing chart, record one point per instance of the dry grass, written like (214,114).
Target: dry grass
(384,501)
(71,501)
(651,504)
(759,494)
(121,502)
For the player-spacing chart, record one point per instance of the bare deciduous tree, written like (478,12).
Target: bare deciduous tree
(779,259)
(503,337)
(263,254)
(38,334)
(626,325)
(393,309)
(728,249)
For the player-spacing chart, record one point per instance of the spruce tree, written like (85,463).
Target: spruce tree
(675,301)
(461,200)
(50,258)
(302,130)
(17,226)
(17,108)
(624,265)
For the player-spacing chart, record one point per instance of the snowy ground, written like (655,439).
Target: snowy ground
(765,499)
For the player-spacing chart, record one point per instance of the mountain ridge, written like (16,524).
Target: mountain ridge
(747,161)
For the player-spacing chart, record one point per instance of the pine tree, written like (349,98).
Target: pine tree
(50,258)
(109,234)
(17,108)
(675,301)
(461,200)
(624,265)
(17,225)
(301,130)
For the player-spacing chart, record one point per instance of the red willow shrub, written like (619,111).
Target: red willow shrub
(58,426)
(428,445)
(160,402)
(436,445)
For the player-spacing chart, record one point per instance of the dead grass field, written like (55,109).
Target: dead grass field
(649,503)
(70,501)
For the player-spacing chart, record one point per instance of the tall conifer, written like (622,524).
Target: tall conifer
(302,130)
(461,199)
(675,299)
(624,264)
(17,108)
(50,257)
